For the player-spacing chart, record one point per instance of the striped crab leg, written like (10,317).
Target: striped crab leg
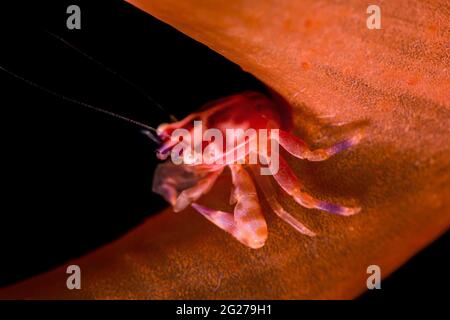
(299,149)
(247,224)
(289,182)
(271,198)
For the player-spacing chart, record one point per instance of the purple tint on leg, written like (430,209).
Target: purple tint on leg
(337,209)
(341,146)
(330,207)
(345,144)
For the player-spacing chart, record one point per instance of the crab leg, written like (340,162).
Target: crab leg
(186,197)
(289,182)
(181,185)
(271,198)
(298,148)
(247,224)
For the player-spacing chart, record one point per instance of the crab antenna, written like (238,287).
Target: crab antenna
(113,72)
(81,103)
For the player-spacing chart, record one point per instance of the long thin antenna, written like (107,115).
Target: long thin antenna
(113,72)
(84,104)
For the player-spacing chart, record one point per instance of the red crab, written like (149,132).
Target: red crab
(183,184)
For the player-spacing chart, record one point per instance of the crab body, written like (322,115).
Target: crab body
(182,184)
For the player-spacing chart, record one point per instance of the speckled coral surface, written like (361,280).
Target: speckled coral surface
(321,57)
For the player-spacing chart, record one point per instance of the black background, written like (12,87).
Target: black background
(74,179)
